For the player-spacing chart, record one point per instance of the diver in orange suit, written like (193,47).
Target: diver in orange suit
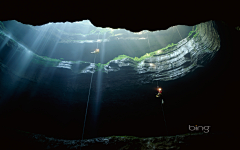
(95,52)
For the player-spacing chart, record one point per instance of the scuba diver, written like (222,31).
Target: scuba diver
(159,94)
(95,52)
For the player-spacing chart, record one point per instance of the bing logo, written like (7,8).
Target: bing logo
(205,129)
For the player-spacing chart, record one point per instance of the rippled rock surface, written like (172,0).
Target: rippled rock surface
(188,55)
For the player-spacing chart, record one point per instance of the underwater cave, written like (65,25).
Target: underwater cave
(52,85)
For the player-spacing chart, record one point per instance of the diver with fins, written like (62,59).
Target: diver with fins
(159,94)
(95,52)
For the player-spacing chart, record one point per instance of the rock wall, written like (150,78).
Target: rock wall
(188,55)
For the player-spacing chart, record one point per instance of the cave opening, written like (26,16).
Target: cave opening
(74,41)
